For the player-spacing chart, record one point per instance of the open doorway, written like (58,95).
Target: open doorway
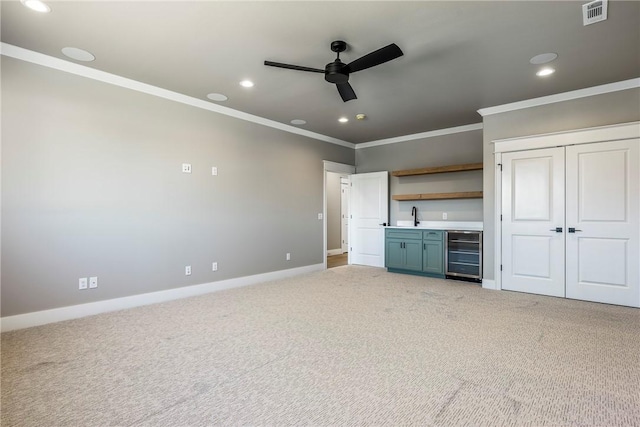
(336,213)
(337,219)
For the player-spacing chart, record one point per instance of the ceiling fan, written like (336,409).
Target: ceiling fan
(337,72)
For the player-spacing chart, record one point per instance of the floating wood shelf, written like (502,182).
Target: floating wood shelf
(439,196)
(438,169)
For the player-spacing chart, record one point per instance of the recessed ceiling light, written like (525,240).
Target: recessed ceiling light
(217,97)
(246,83)
(36,5)
(298,122)
(343,120)
(78,54)
(545,72)
(543,58)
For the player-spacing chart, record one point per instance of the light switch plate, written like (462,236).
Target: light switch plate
(320,216)
(186,168)
(214,171)
(82,283)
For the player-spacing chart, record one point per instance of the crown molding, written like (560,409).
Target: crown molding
(102,76)
(413,137)
(560,97)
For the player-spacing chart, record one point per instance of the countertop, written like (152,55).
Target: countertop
(440,225)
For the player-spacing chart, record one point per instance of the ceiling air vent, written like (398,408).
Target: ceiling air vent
(593,12)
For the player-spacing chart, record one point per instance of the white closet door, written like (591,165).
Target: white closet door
(602,206)
(532,209)
(369,209)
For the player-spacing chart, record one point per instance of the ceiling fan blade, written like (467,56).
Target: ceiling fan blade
(293,67)
(346,91)
(376,57)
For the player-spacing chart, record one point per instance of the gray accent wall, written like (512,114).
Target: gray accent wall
(600,110)
(92,186)
(457,148)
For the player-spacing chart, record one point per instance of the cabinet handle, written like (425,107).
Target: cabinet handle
(558,230)
(424,246)
(573,230)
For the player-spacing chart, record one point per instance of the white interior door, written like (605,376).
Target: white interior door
(344,214)
(369,209)
(533,209)
(602,206)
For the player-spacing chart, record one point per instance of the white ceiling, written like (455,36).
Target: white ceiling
(458,56)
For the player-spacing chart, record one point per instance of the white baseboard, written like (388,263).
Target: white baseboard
(332,252)
(489,284)
(27,320)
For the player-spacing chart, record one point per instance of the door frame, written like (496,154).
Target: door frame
(329,166)
(615,132)
(344,214)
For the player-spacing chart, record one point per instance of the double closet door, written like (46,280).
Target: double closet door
(571,222)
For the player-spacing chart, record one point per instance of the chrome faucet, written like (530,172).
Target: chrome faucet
(414,214)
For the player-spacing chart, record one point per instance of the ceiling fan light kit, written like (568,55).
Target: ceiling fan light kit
(337,72)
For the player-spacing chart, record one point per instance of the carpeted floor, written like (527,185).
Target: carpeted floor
(347,346)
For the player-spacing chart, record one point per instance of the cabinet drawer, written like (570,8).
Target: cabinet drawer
(433,235)
(404,234)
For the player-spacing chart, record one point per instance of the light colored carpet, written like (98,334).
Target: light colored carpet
(347,346)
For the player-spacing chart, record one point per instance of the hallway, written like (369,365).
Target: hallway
(337,260)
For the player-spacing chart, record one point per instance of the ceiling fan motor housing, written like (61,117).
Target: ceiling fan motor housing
(335,72)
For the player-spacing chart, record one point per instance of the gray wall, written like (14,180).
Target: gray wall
(464,147)
(92,186)
(334,205)
(600,110)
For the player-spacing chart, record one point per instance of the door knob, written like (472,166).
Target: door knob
(557,229)
(573,230)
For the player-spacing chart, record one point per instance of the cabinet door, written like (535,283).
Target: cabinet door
(413,255)
(433,257)
(394,254)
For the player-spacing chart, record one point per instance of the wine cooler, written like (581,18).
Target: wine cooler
(463,255)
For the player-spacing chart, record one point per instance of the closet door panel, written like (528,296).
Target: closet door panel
(603,192)
(532,209)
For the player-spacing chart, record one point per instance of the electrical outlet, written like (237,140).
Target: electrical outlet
(444,215)
(320,216)
(288,256)
(187,270)
(214,171)
(186,168)
(93,282)
(82,283)
(214,266)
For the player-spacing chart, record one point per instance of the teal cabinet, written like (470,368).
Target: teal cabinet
(404,250)
(433,257)
(415,251)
